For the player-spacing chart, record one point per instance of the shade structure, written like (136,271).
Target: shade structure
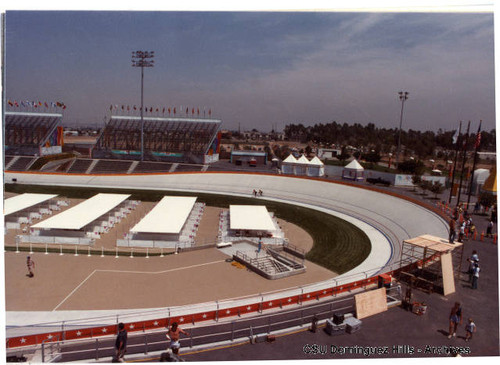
(168,216)
(353,171)
(24,201)
(250,217)
(84,213)
(490,184)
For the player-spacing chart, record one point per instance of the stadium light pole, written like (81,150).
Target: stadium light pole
(403,95)
(142,59)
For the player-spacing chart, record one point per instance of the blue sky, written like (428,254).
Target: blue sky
(259,69)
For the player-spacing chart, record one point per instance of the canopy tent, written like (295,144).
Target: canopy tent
(168,216)
(353,171)
(24,201)
(316,167)
(250,217)
(301,165)
(490,184)
(288,165)
(84,213)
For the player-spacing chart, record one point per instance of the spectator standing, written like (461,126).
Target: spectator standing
(489,229)
(31,267)
(452,230)
(120,343)
(475,275)
(455,319)
(174,334)
(472,261)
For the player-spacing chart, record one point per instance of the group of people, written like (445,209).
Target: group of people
(465,225)
(257,192)
(456,319)
(173,335)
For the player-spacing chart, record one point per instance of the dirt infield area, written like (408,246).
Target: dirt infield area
(69,282)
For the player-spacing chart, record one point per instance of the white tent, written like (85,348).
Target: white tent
(353,171)
(288,165)
(316,167)
(301,165)
(480,176)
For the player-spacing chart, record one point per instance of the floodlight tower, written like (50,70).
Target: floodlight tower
(142,59)
(403,95)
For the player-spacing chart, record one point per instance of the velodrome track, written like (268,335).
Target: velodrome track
(386,219)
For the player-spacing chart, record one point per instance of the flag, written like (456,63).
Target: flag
(10,103)
(40,103)
(187,110)
(46,105)
(455,137)
(157,110)
(174,110)
(163,110)
(192,111)
(478,140)
(209,111)
(169,111)
(128,107)
(135,108)
(22,103)
(64,106)
(15,102)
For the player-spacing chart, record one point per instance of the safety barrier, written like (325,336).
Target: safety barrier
(71,330)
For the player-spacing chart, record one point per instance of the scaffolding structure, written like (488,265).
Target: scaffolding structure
(27,132)
(420,263)
(165,139)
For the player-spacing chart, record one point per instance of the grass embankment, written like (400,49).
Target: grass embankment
(338,245)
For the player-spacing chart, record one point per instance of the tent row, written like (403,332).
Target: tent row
(303,166)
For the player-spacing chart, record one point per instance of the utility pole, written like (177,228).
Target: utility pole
(403,95)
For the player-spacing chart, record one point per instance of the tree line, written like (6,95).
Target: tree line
(421,143)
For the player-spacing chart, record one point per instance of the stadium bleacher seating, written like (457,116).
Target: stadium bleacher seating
(185,167)
(146,167)
(111,167)
(22,163)
(8,159)
(80,166)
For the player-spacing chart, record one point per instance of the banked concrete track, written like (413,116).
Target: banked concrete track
(386,219)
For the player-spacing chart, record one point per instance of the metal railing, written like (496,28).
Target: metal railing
(239,329)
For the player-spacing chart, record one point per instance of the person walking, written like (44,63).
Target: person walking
(120,343)
(475,275)
(455,319)
(470,329)
(174,334)
(31,267)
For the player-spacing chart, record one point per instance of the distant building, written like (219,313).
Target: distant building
(329,152)
(251,158)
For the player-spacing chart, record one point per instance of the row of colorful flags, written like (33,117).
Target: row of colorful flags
(34,104)
(169,110)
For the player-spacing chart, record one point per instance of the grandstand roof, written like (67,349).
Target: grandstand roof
(167,119)
(24,201)
(250,217)
(168,216)
(84,213)
(32,114)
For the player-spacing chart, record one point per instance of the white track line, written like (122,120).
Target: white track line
(74,290)
(161,272)
(134,272)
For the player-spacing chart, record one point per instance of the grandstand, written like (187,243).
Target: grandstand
(191,140)
(30,134)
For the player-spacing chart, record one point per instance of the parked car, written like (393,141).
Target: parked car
(378,180)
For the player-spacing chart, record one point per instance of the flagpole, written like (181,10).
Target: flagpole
(477,144)
(463,162)
(455,163)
